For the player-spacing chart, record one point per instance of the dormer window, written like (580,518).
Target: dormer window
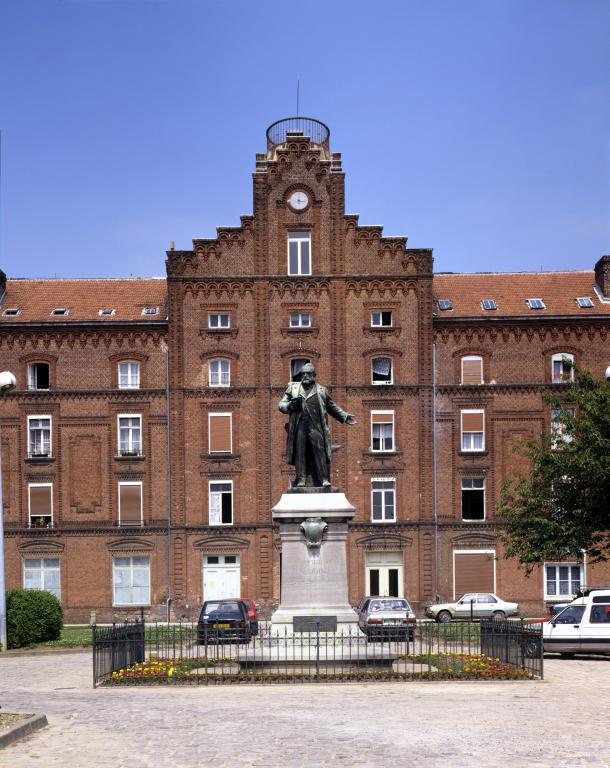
(13,312)
(59,312)
(382,318)
(444,304)
(150,311)
(584,302)
(105,312)
(536,304)
(489,304)
(299,252)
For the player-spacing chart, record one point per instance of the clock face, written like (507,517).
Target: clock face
(298,200)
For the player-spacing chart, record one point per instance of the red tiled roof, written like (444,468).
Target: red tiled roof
(84,298)
(511,290)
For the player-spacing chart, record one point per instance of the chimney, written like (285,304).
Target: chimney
(602,276)
(2,282)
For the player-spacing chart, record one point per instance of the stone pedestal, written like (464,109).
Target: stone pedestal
(314,579)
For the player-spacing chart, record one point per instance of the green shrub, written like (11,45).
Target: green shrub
(32,616)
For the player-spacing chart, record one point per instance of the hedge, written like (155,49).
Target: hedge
(32,616)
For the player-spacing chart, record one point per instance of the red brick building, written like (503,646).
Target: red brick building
(142,449)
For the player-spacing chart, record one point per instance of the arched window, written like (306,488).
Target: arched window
(562,367)
(381,370)
(296,367)
(129,374)
(472,369)
(38,375)
(219,373)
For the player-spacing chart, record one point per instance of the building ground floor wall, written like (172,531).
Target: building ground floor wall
(116,574)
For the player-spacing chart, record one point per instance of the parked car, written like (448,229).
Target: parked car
(386,617)
(223,620)
(252,615)
(476,605)
(582,627)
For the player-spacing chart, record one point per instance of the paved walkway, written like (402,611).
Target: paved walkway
(562,721)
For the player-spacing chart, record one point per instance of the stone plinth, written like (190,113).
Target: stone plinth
(314,579)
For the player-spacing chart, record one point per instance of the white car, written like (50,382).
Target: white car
(582,627)
(475,605)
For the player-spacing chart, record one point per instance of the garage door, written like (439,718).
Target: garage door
(474,572)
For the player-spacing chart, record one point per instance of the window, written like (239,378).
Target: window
(219,432)
(219,320)
(150,310)
(583,302)
(383,499)
(562,367)
(41,573)
(381,370)
(536,304)
(489,304)
(130,434)
(472,369)
(219,373)
(12,312)
(300,320)
(381,318)
(40,505)
(296,367)
(38,376)
(600,611)
(129,374)
(561,580)
(299,253)
(60,312)
(473,498)
(444,304)
(39,436)
(131,580)
(382,430)
(221,502)
(104,312)
(130,503)
(558,433)
(473,430)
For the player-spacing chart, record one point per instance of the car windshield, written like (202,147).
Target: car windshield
(389,605)
(226,610)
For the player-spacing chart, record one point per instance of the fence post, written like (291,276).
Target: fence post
(93,628)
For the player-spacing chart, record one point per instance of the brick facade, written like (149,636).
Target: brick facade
(243,274)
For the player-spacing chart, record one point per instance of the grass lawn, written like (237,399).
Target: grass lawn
(71,637)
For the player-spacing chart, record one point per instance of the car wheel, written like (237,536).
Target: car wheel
(532,649)
(567,655)
(498,615)
(444,617)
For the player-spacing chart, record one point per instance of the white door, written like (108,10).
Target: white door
(221,577)
(384,574)
(562,634)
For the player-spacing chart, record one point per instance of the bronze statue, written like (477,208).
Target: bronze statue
(308,445)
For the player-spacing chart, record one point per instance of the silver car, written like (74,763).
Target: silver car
(386,617)
(474,605)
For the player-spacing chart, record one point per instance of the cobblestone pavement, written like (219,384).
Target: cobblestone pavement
(561,721)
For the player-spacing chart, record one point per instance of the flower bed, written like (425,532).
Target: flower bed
(472,666)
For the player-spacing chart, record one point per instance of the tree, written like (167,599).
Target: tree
(563,506)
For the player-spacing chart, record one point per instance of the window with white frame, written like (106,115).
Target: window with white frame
(472,369)
(131,580)
(218,320)
(39,436)
(299,252)
(382,318)
(473,498)
(382,431)
(38,376)
(381,370)
(383,499)
(300,320)
(220,429)
(129,374)
(558,430)
(562,579)
(42,573)
(40,505)
(296,367)
(473,430)
(130,503)
(562,367)
(219,372)
(130,434)
(220,502)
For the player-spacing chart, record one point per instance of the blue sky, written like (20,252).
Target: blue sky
(479,128)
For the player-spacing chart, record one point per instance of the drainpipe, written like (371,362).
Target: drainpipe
(169,484)
(434,464)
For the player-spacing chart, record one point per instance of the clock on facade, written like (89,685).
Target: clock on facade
(298,200)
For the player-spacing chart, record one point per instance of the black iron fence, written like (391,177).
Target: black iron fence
(135,653)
